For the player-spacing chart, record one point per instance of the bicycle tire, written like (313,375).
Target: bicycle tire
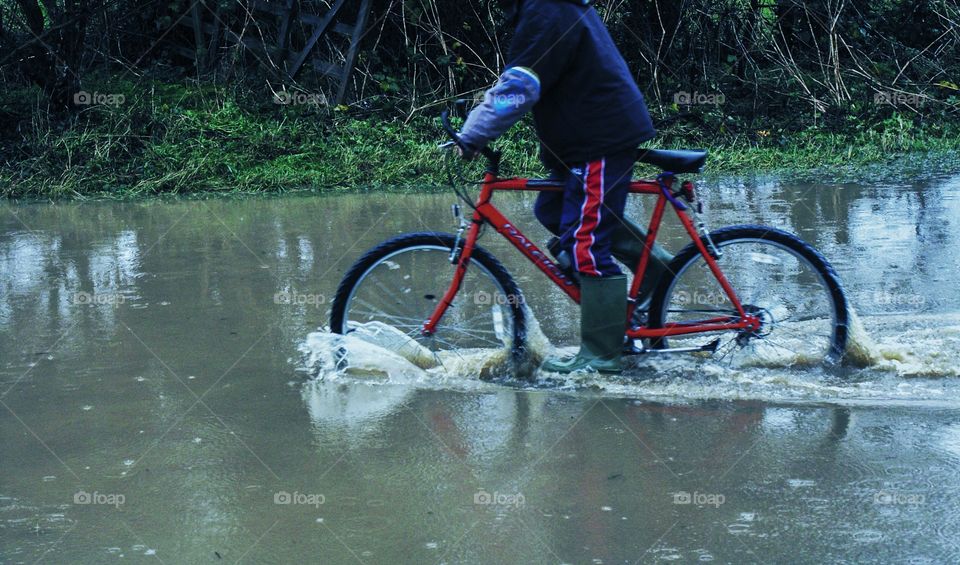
(823,268)
(338,314)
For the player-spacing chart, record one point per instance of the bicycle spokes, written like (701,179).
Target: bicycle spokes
(777,286)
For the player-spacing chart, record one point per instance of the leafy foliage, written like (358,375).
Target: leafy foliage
(775,77)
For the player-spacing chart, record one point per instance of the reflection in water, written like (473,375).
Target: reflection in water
(636,462)
(357,410)
(152,350)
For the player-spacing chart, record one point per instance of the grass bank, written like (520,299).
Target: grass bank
(172,139)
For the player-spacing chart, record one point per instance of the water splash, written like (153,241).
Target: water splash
(862,350)
(379,351)
(882,351)
(916,345)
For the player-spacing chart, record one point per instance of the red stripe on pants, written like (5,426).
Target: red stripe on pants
(589,218)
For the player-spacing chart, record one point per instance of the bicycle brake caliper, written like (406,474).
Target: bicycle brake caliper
(711,246)
(461,226)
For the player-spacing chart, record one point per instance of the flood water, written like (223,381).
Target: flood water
(167,395)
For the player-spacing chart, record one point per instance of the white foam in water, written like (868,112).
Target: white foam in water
(888,361)
(378,351)
(862,350)
(916,346)
(331,354)
(392,339)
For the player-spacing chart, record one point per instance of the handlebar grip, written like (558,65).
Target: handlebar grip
(447,127)
(492,156)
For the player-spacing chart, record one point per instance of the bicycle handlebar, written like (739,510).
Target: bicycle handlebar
(493,157)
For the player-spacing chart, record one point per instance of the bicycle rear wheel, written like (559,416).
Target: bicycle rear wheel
(777,277)
(400,282)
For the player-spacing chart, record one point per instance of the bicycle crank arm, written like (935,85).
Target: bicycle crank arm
(709,348)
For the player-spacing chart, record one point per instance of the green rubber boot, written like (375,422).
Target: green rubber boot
(603,319)
(627,247)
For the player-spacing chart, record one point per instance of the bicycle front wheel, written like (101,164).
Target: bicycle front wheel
(399,283)
(777,277)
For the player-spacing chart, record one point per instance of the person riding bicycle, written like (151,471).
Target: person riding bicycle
(590,118)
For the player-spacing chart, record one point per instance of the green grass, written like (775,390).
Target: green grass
(172,139)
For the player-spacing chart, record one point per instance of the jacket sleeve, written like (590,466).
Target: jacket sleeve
(517,90)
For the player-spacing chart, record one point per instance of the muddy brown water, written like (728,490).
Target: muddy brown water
(159,404)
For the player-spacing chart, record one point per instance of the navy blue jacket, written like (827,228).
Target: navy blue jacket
(564,65)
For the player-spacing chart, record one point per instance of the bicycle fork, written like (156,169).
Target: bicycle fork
(461,227)
(461,256)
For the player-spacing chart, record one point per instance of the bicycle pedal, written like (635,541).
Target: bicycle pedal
(562,257)
(630,348)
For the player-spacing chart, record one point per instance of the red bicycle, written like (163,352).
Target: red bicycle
(753,292)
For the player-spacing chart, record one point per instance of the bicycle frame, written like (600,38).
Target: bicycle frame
(486,212)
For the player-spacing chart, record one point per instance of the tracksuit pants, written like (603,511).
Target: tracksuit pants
(585,215)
